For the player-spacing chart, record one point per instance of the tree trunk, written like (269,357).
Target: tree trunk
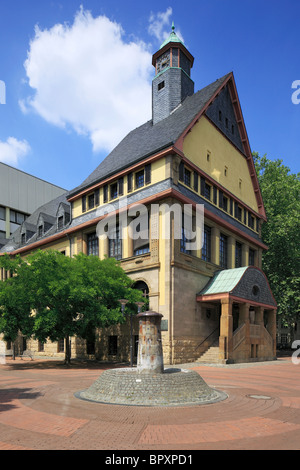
(68,351)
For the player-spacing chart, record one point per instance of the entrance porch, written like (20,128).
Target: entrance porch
(247,314)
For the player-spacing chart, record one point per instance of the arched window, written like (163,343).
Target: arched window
(142,286)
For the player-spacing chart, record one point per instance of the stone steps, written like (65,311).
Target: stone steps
(211,355)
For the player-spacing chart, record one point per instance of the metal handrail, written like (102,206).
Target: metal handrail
(198,346)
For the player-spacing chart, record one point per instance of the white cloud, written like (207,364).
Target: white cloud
(87,78)
(158,22)
(13,150)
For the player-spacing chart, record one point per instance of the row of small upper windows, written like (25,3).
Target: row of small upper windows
(217,197)
(135,180)
(42,228)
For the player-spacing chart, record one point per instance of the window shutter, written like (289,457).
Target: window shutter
(97,197)
(181,171)
(129,182)
(221,199)
(236,210)
(105,193)
(195,181)
(215,195)
(202,186)
(148,173)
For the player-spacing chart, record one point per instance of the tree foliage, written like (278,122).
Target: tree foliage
(53,296)
(281,233)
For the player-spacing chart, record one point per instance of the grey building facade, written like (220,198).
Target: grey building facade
(20,195)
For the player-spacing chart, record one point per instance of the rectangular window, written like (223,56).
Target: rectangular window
(121,186)
(20,218)
(2,213)
(139,179)
(113,191)
(223,201)
(183,242)
(142,250)
(187,177)
(129,182)
(202,186)
(161,85)
(251,221)
(97,197)
(60,222)
(91,201)
(115,244)
(237,211)
(112,345)
(148,173)
(206,248)
(40,230)
(60,345)
(251,257)
(223,251)
(12,216)
(92,244)
(207,190)
(238,255)
(181,171)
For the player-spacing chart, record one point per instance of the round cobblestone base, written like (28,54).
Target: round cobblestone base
(175,387)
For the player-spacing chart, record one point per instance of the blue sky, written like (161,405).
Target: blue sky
(78,75)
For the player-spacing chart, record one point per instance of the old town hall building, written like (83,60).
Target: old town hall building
(216,301)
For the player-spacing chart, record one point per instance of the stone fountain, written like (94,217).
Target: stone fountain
(150,384)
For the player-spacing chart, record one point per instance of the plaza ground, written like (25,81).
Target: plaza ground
(38,410)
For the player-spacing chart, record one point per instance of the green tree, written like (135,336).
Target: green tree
(53,296)
(281,233)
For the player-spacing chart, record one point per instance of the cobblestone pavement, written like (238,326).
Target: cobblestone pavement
(39,411)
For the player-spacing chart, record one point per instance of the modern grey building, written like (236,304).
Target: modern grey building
(20,195)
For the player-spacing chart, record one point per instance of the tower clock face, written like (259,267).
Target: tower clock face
(163,62)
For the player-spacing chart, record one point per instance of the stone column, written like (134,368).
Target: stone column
(245,318)
(226,329)
(245,255)
(150,353)
(215,245)
(231,252)
(259,316)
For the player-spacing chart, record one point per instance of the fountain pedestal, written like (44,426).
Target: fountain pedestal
(149,384)
(150,351)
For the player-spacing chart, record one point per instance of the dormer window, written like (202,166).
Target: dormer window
(60,222)
(63,216)
(40,230)
(23,238)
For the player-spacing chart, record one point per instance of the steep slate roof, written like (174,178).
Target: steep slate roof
(148,139)
(48,211)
